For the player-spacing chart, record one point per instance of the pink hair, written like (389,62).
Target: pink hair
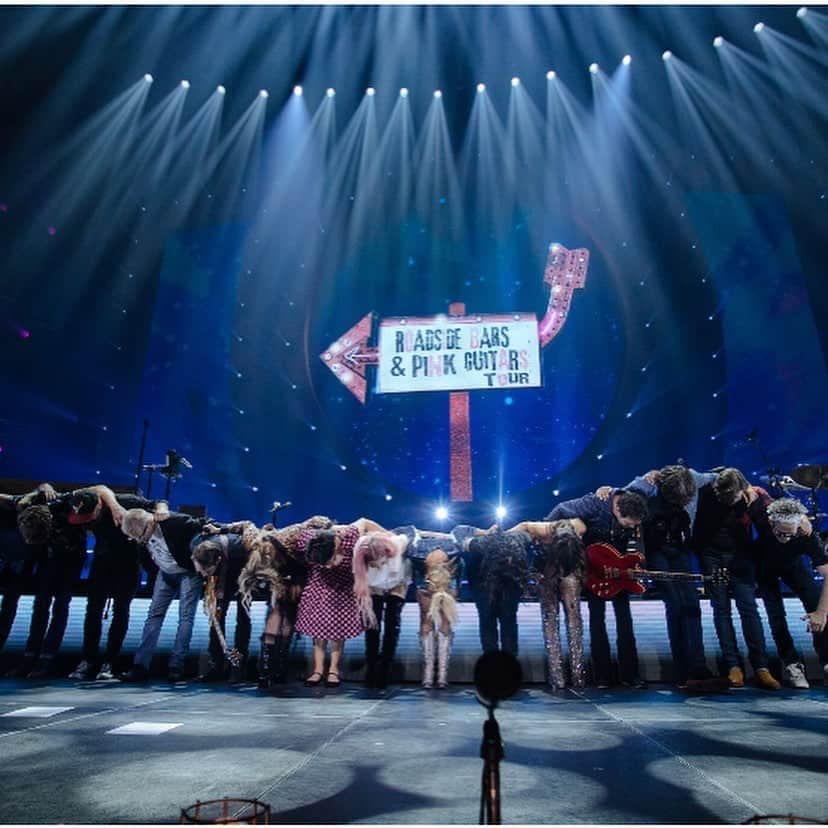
(372,547)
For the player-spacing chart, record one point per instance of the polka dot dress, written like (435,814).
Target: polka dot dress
(328,608)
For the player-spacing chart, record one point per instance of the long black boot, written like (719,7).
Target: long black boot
(371,658)
(265,665)
(281,657)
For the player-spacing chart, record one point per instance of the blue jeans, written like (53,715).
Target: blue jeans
(683,612)
(799,576)
(742,586)
(188,585)
(500,609)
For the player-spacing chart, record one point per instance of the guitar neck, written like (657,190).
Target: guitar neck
(656,575)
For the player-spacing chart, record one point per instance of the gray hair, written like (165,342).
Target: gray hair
(135,522)
(787,510)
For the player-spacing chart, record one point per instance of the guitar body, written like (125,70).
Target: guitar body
(606,568)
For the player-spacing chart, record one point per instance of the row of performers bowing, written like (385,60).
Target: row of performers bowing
(332,581)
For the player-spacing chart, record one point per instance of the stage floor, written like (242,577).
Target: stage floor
(408,755)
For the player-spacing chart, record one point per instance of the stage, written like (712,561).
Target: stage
(409,755)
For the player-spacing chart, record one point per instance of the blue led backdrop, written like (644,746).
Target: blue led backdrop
(196,202)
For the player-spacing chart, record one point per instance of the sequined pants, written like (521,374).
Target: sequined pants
(553,592)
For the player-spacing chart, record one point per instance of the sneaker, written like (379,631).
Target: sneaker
(736,677)
(795,676)
(83,672)
(636,683)
(175,675)
(105,673)
(765,680)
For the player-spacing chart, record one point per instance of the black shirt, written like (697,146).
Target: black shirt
(720,527)
(774,557)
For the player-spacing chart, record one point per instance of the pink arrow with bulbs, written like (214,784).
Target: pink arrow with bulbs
(458,353)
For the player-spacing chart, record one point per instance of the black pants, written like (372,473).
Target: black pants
(388,610)
(498,609)
(799,576)
(16,577)
(58,572)
(599,640)
(114,574)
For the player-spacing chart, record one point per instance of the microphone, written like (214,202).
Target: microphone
(497,676)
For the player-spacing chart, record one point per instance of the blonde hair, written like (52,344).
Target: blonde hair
(439,575)
(372,547)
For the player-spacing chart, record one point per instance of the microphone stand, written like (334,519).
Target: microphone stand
(491,752)
(140,467)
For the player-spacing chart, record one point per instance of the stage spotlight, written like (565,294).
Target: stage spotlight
(388,497)
(758,27)
(481,87)
(221,90)
(718,41)
(185,84)
(515,81)
(297,90)
(801,12)
(441,513)
(370,91)
(403,93)
(500,512)
(556,492)
(438,93)
(593,67)
(550,74)
(263,93)
(331,92)
(148,77)
(666,55)
(626,60)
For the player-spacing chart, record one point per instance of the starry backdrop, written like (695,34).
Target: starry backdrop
(182,256)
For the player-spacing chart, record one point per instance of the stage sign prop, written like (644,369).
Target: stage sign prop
(459,353)
(463,353)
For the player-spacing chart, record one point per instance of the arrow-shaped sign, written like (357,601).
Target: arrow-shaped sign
(457,353)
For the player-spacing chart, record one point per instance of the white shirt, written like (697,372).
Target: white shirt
(161,554)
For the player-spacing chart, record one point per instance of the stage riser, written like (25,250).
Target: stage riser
(648,616)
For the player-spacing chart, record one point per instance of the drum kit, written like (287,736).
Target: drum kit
(810,478)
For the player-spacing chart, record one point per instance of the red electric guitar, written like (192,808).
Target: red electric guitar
(609,572)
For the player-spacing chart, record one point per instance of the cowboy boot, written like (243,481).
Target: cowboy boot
(443,655)
(427,641)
